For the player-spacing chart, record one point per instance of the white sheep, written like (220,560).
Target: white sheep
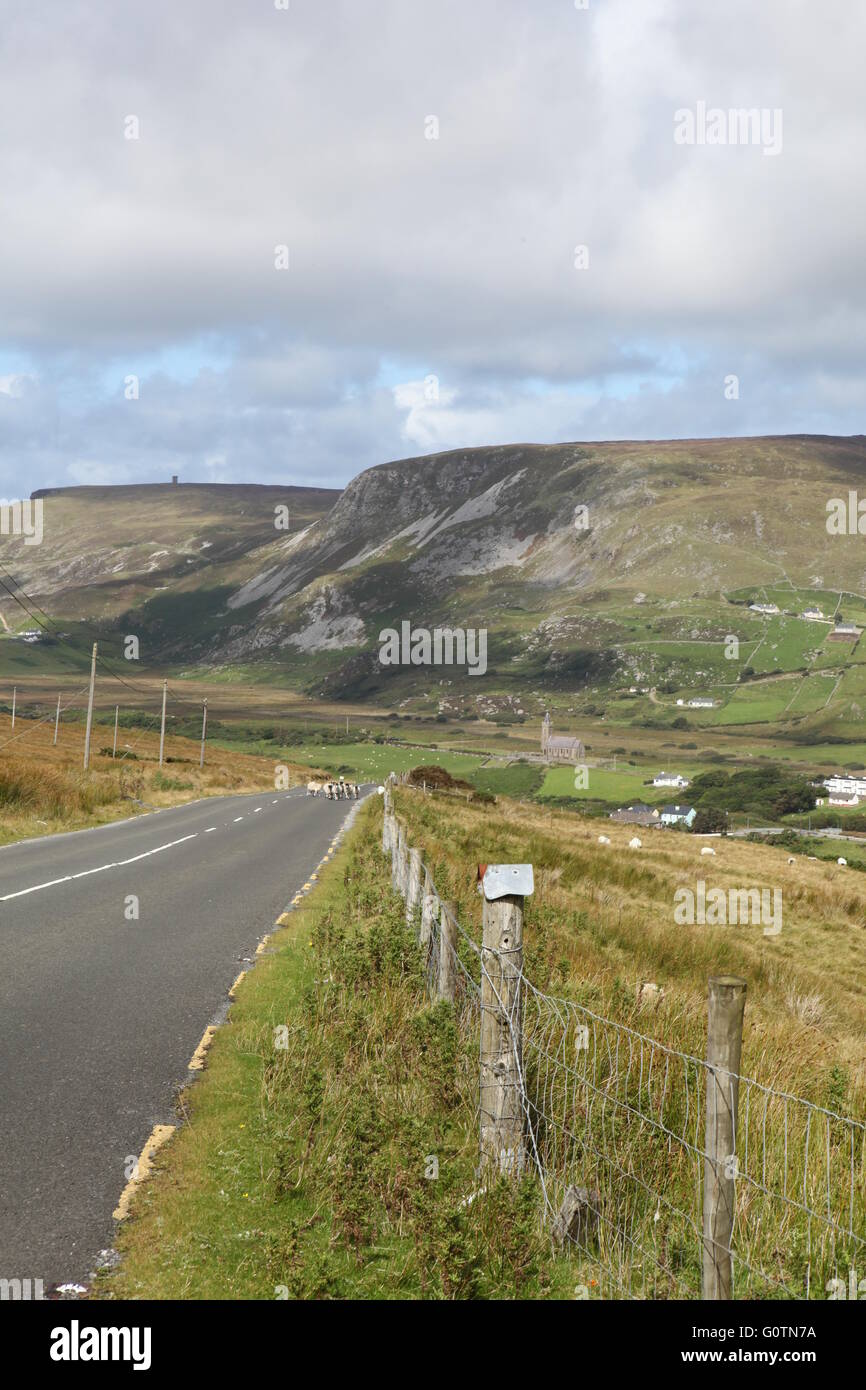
(707,849)
(790,859)
(649,993)
(841,861)
(604,840)
(634,843)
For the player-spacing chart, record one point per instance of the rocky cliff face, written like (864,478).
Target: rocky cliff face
(568,554)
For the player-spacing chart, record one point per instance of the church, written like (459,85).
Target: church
(559,747)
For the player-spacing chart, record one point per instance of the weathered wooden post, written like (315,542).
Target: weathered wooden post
(386,819)
(447,949)
(504,886)
(727,1000)
(429,906)
(413,886)
(396,832)
(403,861)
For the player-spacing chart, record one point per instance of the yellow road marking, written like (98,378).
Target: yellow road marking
(199,1055)
(236,983)
(283,919)
(262,944)
(143,1167)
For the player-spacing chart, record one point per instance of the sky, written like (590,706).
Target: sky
(281,241)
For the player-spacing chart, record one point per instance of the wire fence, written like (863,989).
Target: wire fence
(614,1124)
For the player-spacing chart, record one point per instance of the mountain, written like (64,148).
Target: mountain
(593,567)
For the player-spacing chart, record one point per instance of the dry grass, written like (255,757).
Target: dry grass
(44,789)
(601,923)
(629,1123)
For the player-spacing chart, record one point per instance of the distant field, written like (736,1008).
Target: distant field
(605,786)
(751,704)
(368,761)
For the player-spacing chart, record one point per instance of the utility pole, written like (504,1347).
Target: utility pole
(116,719)
(14,702)
(90,709)
(203,732)
(162,726)
(347,723)
(57,720)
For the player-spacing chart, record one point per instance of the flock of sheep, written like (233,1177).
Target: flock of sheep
(335,791)
(635,843)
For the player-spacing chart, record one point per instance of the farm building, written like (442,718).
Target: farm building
(678,815)
(670,779)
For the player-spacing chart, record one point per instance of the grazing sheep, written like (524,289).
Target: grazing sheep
(841,861)
(707,850)
(604,840)
(790,859)
(313,788)
(634,843)
(649,993)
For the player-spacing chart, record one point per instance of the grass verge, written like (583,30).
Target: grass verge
(331,1144)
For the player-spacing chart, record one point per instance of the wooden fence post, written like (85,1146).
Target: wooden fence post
(429,905)
(502,1034)
(403,862)
(413,886)
(396,833)
(727,999)
(447,948)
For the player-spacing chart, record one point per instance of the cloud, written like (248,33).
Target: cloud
(452,257)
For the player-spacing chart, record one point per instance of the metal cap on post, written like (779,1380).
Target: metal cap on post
(727,1001)
(505,886)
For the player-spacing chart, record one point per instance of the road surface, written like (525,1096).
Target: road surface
(100,1012)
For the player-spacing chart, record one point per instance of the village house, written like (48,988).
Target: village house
(811,613)
(678,815)
(764,607)
(636,814)
(559,747)
(843,632)
(670,779)
(842,785)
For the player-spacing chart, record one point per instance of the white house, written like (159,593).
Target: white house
(701,702)
(764,607)
(677,815)
(841,785)
(843,799)
(670,779)
(811,613)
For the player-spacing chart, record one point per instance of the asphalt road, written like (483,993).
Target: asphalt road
(100,1013)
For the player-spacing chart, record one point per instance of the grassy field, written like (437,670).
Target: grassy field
(606,785)
(44,789)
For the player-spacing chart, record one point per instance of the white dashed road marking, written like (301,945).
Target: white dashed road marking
(117,864)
